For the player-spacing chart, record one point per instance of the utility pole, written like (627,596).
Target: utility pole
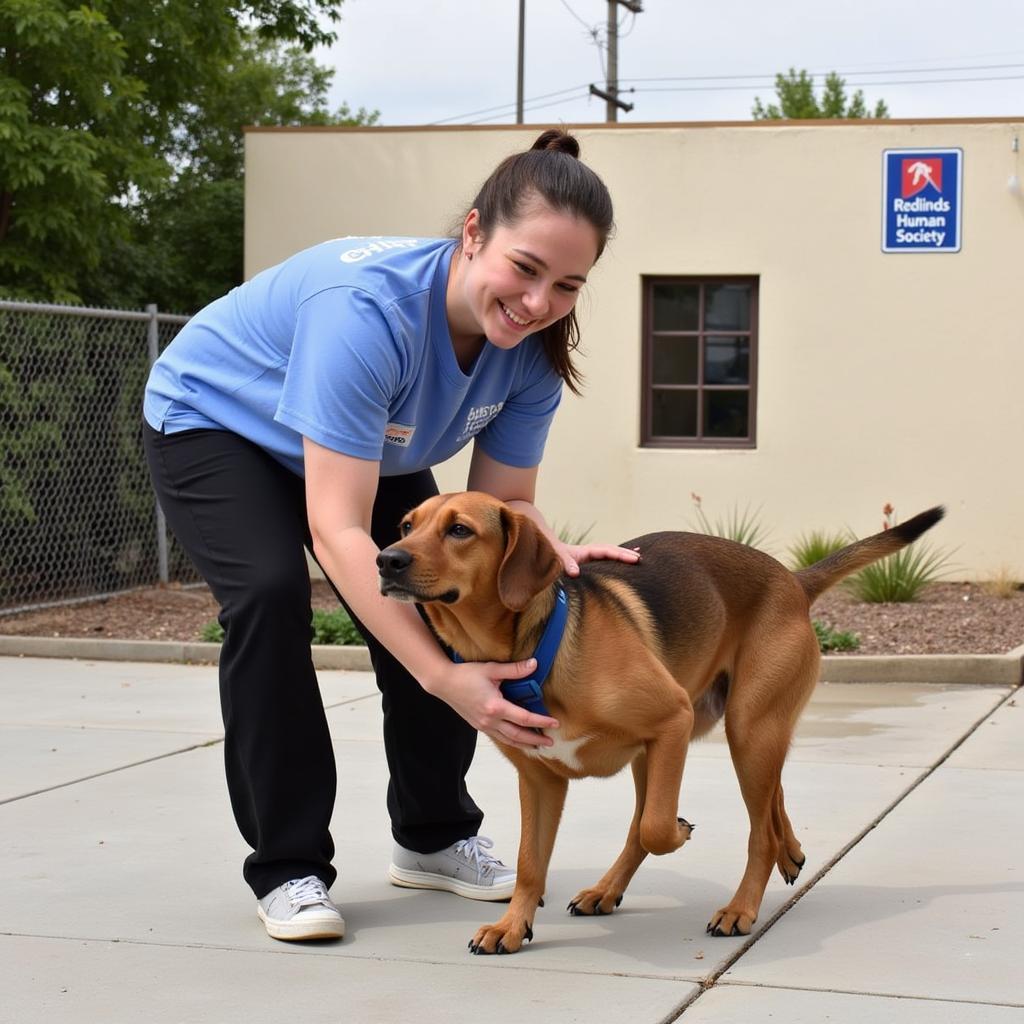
(610,94)
(522,51)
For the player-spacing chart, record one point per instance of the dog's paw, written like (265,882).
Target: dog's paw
(790,865)
(729,922)
(502,937)
(594,902)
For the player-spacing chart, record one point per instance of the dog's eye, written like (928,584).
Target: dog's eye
(406,528)
(459,531)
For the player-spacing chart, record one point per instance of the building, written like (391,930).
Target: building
(746,336)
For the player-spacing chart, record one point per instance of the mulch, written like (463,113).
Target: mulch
(950,618)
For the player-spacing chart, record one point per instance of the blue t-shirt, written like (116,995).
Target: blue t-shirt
(347,343)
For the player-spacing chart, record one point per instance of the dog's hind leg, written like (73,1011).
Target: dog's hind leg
(759,734)
(604,896)
(791,857)
(541,799)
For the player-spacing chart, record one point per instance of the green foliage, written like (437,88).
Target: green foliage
(335,627)
(796,100)
(74,493)
(212,632)
(121,122)
(812,547)
(569,534)
(830,639)
(900,577)
(743,526)
(329,627)
(72,136)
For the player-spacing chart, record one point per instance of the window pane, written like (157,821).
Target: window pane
(726,413)
(675,361)
(726,360)
(676,307)
(728,307)
(674,413)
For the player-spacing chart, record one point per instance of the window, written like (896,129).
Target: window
(699,362)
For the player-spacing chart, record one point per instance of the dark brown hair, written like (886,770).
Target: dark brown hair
(550,170)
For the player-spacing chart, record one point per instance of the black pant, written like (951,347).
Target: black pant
(241,516)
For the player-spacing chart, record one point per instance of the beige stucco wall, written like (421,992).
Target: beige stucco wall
(882,377)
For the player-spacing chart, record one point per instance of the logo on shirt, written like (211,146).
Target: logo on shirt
(376,246)
(477,418)
(399,434)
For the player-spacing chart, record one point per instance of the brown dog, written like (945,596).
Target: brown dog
(653,655)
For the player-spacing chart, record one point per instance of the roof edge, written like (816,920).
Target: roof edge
(626,126)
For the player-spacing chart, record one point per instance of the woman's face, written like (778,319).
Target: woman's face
(522,277)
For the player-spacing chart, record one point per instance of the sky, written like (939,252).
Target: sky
(454,61)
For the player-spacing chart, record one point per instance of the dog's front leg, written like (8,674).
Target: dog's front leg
(606,894)
(541,799)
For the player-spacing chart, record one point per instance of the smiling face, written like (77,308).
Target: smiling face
(521,278)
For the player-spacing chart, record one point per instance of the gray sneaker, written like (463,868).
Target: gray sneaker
(465,868)
(301,909)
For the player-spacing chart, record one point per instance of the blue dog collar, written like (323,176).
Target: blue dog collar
(528,693)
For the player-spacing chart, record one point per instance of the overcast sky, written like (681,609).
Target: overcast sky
(429,61)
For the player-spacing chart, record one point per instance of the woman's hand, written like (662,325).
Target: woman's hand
(471,689)
(574,555)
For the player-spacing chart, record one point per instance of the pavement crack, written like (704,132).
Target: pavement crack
(712,979)
(111,771)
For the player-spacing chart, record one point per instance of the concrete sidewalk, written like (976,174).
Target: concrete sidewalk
(123,900)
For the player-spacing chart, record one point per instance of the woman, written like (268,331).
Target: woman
(305,409)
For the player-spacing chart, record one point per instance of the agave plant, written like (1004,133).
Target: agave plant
(743,526)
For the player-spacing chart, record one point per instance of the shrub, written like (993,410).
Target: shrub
(814,546)
(569,534)
(1001,583)
(900,577)
(335,627)
(328,627)
(744,527)
(212,633)
(830,639)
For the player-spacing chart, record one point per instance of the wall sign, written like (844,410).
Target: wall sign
(921,200)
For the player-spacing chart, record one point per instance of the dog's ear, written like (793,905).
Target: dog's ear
(530,564)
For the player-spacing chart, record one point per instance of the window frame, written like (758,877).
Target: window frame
(647,387)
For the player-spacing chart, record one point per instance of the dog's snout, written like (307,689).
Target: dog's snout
(393,562)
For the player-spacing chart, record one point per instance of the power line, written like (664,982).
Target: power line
(767,85)
(762,81)
(508,106)
(816,74)
(537,106)
(589,28)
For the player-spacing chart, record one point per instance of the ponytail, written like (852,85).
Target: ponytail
(550,170)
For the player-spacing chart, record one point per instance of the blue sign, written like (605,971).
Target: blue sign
(921,194)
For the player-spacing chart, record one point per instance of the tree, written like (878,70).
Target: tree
(796,100)
(95,104)
(185,241)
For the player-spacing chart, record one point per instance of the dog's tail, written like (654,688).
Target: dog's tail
(817,578)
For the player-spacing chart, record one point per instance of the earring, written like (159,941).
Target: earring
(469,255)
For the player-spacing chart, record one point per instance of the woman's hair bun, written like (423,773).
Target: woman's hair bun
(558,140)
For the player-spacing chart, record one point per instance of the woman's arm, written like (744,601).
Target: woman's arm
(517,488)
(340,492)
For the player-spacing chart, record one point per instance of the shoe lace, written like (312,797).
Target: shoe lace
(304,892)
(474,849)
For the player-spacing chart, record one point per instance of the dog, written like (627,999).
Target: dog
(652,656)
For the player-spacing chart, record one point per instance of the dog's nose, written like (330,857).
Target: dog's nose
(393,561)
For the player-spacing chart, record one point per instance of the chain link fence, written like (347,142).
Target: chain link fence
(77,514)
